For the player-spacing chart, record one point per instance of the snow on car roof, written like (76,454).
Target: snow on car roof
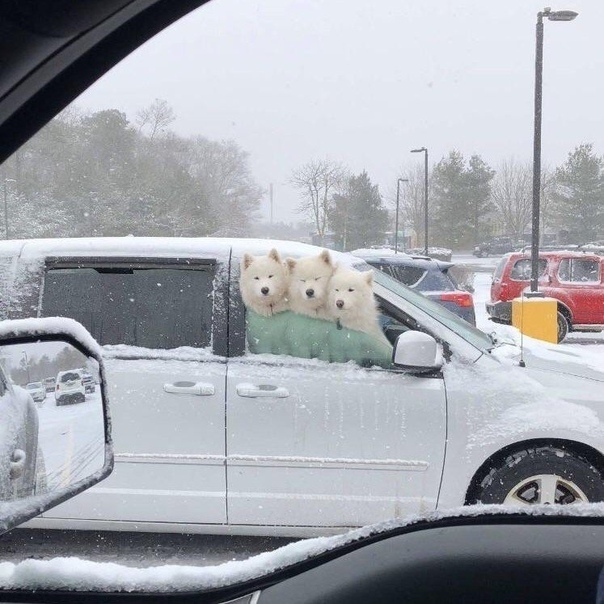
(162,247)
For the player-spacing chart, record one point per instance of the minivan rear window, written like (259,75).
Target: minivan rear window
(159,308)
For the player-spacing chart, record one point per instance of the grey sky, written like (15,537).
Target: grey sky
(364,82)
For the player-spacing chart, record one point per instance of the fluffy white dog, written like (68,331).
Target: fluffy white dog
(351,302)
(263,283)
(308,284)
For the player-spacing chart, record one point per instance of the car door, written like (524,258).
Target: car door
(581,279)
(313,443)
(155,319)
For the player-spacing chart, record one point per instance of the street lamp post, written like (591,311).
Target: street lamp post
(425,152)
(398,192)
(561,15)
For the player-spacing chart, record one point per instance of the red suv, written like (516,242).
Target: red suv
(575,279)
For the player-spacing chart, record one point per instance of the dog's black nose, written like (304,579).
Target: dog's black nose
(340,303)
(310,293)
(264,291)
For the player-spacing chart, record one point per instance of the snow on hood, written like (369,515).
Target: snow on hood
(550,357)
(82,575)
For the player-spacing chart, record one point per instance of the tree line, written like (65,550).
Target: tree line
(468,200)
(94,174)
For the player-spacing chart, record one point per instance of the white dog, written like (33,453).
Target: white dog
(308,284)
(351,302)
(263,283)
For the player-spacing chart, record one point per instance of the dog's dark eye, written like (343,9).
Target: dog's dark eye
(337,290)
(350,289)
(303,280)
(270,276)
(257,278)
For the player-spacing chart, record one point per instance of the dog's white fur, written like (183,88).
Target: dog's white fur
(263,283)
(351,301)
(308,284)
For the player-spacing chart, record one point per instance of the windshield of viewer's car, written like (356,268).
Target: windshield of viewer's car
(195,210)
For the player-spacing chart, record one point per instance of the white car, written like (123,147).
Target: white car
(37,391)
(308,446)
(70,387)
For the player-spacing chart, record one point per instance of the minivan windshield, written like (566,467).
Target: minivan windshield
(462,328)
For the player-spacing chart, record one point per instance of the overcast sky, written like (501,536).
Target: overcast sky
(363,82)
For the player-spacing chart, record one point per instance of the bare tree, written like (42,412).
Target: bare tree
(511,194)
(157,116)
(317,181)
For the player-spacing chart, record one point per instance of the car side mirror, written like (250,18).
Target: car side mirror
(417,352)
(54,424)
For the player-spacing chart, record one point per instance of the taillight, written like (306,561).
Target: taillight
(459,298)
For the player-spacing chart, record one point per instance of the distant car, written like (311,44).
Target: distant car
(70,387)
(49,383)
(425,275)
(496,246)
(37,391)
(89,384)
(575,279)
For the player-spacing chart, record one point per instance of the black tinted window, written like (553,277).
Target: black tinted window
(153,308)
(435,280)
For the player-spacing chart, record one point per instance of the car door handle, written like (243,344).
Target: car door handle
(262,391)
(197,388)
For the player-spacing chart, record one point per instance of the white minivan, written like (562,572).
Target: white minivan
(212,438)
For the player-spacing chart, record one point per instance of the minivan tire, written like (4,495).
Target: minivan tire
(523,478)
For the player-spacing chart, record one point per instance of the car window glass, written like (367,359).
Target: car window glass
(578,270)
(521,271)
(435,280)
(500,266)
(151,308)
(409,275)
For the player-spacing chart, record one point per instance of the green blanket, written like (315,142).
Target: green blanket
(304,337)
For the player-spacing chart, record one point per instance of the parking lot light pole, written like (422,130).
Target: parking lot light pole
(562,15)
(425,152)
(398,193)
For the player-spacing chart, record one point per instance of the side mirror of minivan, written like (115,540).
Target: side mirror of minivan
(54,424)
(417,352)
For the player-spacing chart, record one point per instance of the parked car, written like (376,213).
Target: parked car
(430,277)
(37,391)
(89,384)
(496,246)
(70,387)
(49,383)
(183,377)
(575,279)
(18,440)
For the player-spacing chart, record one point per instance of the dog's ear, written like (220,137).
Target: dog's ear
(290,263)
(246,261)
(274,255)
(368,276)
(326,257)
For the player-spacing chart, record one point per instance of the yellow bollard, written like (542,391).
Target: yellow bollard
(536,318)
